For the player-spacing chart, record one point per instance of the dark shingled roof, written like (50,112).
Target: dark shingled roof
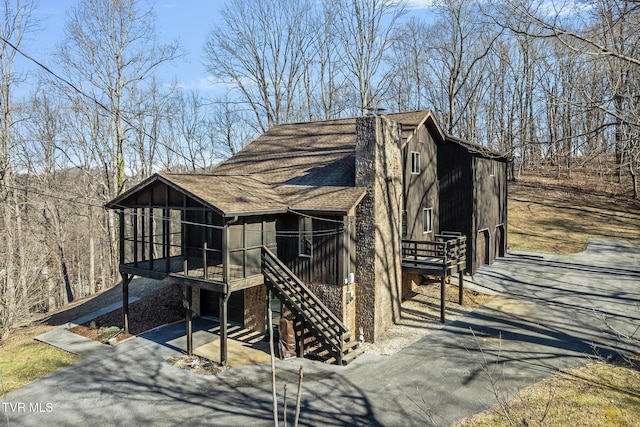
(230,194)
(314,153)
(326,199)
(478,150)
(299,166)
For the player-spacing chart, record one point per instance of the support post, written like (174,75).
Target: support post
(443,290)
(301,342)
(189,322)
(460,288)
(122,236)
(135,236)
(223,329)
(126,279)
(204,261)
(152,237)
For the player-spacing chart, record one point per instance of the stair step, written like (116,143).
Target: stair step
(349,346)
(322,330)
(349,357)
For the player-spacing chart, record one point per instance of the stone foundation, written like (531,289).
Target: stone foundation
(255,305)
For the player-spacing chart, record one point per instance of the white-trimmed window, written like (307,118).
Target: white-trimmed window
(415,162)
(305,236)
(427,220)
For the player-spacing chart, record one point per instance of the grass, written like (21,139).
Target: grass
(560,216)
(24,360)
(546,217)
(598,394)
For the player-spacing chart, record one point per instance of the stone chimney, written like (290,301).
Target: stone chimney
(378,225)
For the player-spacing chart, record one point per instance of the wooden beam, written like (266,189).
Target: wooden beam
(122,235)
(249,282)
(135,236)
(126,279)
(443,290)
(460,288)
(223,328)
(225,253)
(151,233)
(209,285)
(189,321)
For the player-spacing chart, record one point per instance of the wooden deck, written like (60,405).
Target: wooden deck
(442,258)
(193,273)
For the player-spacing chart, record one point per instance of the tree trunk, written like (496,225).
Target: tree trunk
(92,266)
(68,295)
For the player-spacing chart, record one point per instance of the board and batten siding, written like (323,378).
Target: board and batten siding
(420,189)
(325,265)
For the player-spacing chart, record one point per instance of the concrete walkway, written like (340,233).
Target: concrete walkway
(554,312)
(60,337)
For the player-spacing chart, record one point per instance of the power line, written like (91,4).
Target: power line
(94,100)
(282,233)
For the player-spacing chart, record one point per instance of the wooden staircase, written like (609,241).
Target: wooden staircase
(332,339)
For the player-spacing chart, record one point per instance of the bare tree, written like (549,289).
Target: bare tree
(14,263)
(365,29)
(460,43)
(260,51)
(602,32)
(228,128)
(110,52)
(408,59)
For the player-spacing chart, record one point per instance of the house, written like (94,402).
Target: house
(334,219)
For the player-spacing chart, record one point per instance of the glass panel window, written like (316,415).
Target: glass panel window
(305,236)
(270,232)
(427,220)
(415,162)
(253,234)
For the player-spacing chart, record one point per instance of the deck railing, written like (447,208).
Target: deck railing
(446,252)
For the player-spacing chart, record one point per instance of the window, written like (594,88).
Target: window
(305,242)
(427,220)
(415,162)
(404,224)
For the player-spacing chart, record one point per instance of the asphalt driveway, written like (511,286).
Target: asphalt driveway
(553,312)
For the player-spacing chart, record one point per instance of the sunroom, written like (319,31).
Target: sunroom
(198,231)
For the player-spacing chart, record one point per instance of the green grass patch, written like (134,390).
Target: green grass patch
(24,362)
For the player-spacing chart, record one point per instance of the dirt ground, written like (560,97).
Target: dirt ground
(420,315)
(155,308)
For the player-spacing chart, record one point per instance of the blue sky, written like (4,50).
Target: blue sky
(186,20)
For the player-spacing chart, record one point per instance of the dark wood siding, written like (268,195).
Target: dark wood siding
(420,190)
(325,265)
(473,197)
(490,201)
(210,305)
(456,190)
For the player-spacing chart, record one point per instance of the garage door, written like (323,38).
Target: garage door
(499,244)
(482,248)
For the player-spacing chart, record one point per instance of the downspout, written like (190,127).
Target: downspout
(350,278)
